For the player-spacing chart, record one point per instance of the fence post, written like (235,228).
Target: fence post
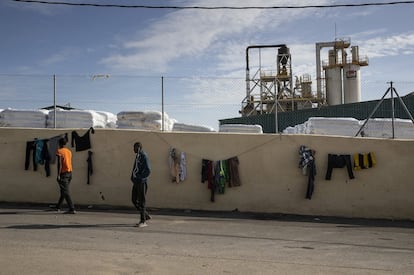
(162,104)
(54,100)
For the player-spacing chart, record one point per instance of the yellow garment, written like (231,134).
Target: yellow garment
(364,161)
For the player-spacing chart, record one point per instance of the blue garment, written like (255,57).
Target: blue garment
(141,168)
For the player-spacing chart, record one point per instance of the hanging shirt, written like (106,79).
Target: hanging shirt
(82,142)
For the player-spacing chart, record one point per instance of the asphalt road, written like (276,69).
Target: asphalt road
(35,240)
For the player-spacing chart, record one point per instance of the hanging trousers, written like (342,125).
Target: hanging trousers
(339,161)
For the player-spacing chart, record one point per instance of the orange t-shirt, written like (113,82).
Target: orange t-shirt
(66,156)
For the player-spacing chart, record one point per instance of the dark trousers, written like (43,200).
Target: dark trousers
(64,182)
(339,161)
(139,190)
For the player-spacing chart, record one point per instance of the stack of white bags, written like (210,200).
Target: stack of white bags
(23,118)
(76,119)
(182,127)
(338,126)
(382,127)
(146,120)
(241,128)
(41,118)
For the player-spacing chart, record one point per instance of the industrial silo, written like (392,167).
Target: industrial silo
(352,83)
(333,78)
(352,78)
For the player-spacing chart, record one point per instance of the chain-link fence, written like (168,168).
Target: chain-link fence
(190,100)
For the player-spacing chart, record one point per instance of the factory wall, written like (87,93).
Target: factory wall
(271,181)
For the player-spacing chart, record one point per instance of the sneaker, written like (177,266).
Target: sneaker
(148,217)
(70,212)
(142,224)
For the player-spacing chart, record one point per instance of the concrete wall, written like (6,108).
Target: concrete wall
(271,179)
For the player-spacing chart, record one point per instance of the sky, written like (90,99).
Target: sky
(189,62)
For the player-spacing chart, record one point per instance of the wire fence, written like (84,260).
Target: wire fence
(190,100)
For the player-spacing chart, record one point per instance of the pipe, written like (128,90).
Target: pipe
(247,62)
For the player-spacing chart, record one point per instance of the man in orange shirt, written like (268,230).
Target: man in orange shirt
(64,172)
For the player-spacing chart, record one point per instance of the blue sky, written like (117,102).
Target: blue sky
(200,53)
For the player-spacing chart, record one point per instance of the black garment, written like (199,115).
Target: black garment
(64,182)
(311,178)
(90,167)
(139,190)
(30,146)
(339,161)
(45,158)
(207,174)
(82,142)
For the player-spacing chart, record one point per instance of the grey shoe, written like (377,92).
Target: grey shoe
(142,224)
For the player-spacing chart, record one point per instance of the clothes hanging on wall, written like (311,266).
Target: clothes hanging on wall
(308,165)
(233,170)
(207,172)
(82,142)
(53,146)
(339,161)
(178,165)
(40,155)
(364,161)
(183,166)
(90,166)
(220,173)
(30,146)
(174,165)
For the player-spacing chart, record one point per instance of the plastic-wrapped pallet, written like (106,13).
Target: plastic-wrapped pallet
(291,130)
(182,127)
(23,118)
(76,119)
(110,119)
(382,128)
(338,126)
(143,120)
(241,128)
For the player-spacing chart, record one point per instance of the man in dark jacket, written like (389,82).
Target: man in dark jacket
(140,172)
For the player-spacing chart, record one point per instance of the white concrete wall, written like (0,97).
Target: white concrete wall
(271,179)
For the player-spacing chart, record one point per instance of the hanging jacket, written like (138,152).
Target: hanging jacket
(141,168)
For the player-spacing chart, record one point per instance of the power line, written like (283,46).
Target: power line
(218,7)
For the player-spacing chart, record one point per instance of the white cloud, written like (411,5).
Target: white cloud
(61,56)
(388,45)
(194,33)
